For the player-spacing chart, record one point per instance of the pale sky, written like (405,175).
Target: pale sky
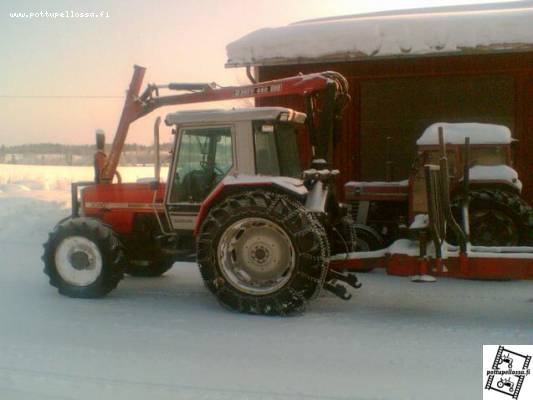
(176,40)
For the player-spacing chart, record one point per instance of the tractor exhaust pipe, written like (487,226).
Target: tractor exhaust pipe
(157,163)
(100,157)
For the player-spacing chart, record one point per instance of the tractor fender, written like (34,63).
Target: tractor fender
(294,188)
(496,184)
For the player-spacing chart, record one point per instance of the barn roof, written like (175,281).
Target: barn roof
(484,28)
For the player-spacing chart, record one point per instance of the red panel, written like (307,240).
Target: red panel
(467,268)
(127,193)
(117,204)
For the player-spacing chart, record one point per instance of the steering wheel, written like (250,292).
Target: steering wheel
(216,168)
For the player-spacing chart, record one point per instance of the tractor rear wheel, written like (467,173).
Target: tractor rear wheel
(498,218)
(262,253)
(149,268)
(83,258)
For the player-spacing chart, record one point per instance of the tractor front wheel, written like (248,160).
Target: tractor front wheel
(262,253)
(83,258)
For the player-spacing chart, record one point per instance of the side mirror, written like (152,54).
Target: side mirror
(157,163)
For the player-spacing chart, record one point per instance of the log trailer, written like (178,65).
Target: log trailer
(267,236)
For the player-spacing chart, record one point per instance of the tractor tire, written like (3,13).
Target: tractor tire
(262,253)
(497,218)
(83,258)
(343,237)
(149,268)
(366,239)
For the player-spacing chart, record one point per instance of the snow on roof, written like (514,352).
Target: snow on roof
(456,134)
(446,30)
(234,114)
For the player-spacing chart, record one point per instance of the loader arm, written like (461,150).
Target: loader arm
(331,86)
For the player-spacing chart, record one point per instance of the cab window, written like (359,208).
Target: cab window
(488,155)
(276,149)
(204,158)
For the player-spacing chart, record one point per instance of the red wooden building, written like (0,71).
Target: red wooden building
(407,70)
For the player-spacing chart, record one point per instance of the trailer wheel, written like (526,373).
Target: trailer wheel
(343,236)
(498,218)
(262,253)
(83,258)
(149,268)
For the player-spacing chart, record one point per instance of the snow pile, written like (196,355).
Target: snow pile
(457,133)
(495,173)
(421,221)
(29,218)
(418,32)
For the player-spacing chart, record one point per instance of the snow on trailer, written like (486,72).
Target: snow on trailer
(447,30)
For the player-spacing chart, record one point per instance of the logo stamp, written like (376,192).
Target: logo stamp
(506,377)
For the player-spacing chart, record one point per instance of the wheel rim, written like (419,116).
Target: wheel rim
(78,261)
(256,256)
(493,228)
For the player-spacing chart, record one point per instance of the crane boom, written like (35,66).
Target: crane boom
(329,83)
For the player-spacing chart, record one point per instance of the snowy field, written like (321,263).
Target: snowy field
(50,177)
(167,338)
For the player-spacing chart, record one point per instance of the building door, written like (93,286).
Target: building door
(403,107)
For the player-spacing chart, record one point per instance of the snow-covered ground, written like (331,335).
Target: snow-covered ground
(167,338)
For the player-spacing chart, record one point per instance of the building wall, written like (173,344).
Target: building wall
(398,97)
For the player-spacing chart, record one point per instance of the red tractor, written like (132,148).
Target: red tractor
(498,216)
(234,199)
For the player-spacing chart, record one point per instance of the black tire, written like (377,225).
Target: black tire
(497,218)
(307,237)
(343,238)
(106,244)
(149,268)
(366,239)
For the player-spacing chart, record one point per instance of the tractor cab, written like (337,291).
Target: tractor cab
(211,145)
(490,161)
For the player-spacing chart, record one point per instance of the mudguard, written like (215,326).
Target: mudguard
(230,184)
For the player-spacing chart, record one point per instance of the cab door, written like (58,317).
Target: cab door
(204,156)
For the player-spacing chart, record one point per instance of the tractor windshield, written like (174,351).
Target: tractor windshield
(204,157)
(276,149)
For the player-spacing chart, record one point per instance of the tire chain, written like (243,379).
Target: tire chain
(267,198)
